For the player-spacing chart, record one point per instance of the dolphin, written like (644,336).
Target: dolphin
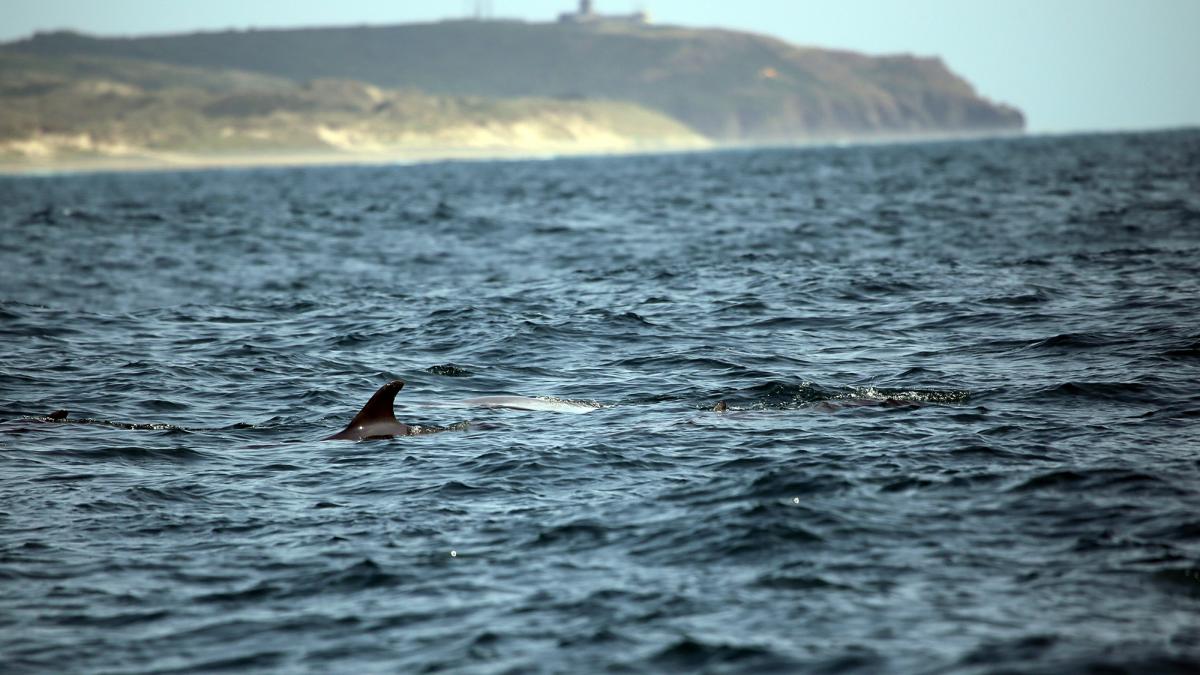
(535,404)
(377,418)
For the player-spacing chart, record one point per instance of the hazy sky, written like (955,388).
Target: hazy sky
(1069,64)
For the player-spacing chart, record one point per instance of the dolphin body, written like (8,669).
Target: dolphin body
(377,419)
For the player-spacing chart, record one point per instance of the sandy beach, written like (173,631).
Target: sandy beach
(176,161)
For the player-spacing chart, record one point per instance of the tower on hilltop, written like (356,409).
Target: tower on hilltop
(587,14)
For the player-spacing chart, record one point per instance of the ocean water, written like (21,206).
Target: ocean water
(963,426)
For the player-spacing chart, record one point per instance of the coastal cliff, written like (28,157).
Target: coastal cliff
(475,86)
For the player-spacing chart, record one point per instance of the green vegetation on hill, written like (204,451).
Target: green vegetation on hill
(728,85)
(68,107)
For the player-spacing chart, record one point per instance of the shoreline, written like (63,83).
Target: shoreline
(179,161)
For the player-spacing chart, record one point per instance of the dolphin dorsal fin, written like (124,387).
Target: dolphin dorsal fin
(379,408)
(376,419)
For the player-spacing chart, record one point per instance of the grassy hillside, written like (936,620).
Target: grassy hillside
(725,84)
(65,107)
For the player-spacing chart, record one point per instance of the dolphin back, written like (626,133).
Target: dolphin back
(377,418)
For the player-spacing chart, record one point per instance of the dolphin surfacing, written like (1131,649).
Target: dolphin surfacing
(377,419)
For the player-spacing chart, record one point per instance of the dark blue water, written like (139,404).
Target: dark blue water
(1028,499)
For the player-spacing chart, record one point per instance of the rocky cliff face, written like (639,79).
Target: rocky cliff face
(728,85)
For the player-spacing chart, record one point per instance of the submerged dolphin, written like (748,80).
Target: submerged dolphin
(377,419)
(536,404)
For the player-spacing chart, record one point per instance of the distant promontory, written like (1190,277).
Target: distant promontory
(635,84)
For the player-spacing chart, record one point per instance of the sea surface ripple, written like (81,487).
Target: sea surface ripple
(963,431)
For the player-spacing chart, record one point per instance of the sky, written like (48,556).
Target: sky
(1070,65)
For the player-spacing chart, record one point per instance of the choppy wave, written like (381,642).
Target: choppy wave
(959,431)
